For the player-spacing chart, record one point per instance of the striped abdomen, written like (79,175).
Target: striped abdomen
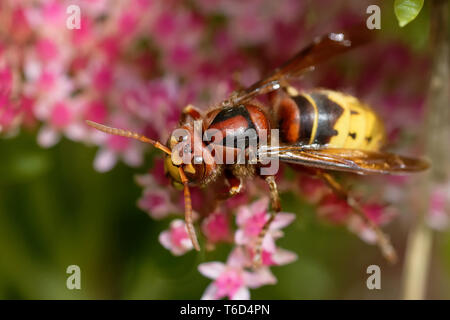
(330,118)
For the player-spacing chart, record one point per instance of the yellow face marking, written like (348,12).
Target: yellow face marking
(173,141)
(177,185)
(189,169)
(171,169)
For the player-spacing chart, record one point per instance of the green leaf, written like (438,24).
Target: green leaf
(407,10)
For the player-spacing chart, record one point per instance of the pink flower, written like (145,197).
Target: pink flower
(157,203)
(237,201)
(103,78)
(176,239)
(165,24)
(5,81)
(272,255)
(95,111)
(53,11)
(231,279)
(334,209)
(439,213)
(180,58)
(127,23)
(47,50)
(216,228)
(157,198)
(156,176)
(251,219)
(115,147)
(378,213)
(8,115)
(84,35)
(60,116)
(313,189)
(61,119)
(106,158)
(359,227)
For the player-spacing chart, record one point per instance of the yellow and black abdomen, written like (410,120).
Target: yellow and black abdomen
(329,118)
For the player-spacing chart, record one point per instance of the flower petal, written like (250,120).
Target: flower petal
(240,238)
(133,157)
(238,258)
(210,292)
(242,294)
(164,239)
(211,270)
(282,220)
(260,206)
(105,160)
(48,137)
(282,256)
(242,215)
(258,278)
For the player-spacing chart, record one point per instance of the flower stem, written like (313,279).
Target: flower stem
(418,251)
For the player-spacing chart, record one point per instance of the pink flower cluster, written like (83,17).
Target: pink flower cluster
(336,210)
(133,64)
(233,279)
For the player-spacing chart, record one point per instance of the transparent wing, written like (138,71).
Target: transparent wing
(322,49)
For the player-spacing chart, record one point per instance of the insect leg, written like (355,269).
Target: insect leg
(383,241)
(232,186)
(235,184)
(188,211)
(275,208)
(190,111)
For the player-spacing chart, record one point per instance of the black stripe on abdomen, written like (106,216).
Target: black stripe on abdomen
(307,116)
(329,113)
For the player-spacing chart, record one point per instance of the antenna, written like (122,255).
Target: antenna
(129,134)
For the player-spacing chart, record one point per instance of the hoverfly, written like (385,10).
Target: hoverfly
(319,130)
